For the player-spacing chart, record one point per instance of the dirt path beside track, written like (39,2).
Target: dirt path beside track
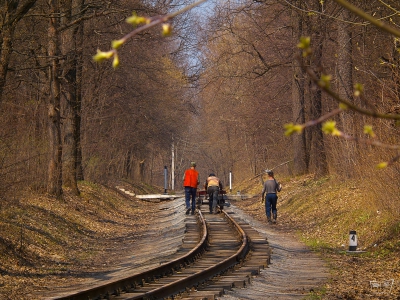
(294,272)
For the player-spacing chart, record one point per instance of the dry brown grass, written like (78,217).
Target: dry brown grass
(45,240)
(323,212)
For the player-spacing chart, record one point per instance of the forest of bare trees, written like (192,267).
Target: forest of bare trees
(219,90)
(65,118)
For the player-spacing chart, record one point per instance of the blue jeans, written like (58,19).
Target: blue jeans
(270,204)
(190,193)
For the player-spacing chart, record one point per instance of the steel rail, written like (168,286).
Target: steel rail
(178,286)
(181,285)
(138,279)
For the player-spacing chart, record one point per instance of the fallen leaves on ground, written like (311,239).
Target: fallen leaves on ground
(321,217)
(47,242)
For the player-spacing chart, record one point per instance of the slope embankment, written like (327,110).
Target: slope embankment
(320,214)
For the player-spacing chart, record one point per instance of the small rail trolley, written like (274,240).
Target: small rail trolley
(202,196)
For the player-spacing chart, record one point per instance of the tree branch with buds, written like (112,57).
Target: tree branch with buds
(144,23)
(329,127)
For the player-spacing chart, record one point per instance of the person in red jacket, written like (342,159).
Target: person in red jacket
(190,182)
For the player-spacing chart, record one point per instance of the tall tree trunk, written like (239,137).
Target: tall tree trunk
(128,164)
(345,90)
(7,32)
(300,161)
(72,40)
(70,141)
(54,183)
(12,12)
(319,153)
(78,93)
(142,170)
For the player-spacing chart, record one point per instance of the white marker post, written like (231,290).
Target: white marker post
(353,240)
(230,181)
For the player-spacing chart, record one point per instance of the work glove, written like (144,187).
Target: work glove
(262,199)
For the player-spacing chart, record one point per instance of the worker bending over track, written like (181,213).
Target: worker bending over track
(213,186)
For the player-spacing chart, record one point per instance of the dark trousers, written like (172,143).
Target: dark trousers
(190,194)
(270,204)
(212,192)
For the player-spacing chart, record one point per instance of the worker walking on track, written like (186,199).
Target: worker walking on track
(270,188)
(190,182)
(212,186)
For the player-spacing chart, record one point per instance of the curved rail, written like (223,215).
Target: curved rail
(135,280)
(177,286)
(201,276)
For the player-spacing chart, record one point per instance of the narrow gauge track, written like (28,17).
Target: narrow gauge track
(225,255)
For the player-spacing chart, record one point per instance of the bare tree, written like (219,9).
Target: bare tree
(72,53)
(246,75)
(54,183)
(345,87)
(316,26)
(300,153)
(12,12)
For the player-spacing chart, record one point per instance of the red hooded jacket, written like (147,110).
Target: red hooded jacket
(191,178)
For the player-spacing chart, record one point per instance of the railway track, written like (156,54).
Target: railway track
(219,252)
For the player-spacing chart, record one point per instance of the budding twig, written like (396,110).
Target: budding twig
(148,23)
